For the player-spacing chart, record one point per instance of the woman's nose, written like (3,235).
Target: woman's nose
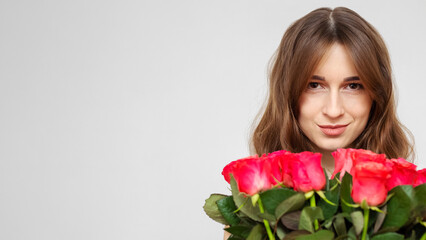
(333,105)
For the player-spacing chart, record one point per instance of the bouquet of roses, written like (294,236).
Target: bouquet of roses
(284,195)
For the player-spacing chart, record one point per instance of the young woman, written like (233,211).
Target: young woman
(330,86)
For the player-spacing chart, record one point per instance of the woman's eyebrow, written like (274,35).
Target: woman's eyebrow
(321,78)
(353,78)
(316,77)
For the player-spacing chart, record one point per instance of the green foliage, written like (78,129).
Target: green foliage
(340,226)
(399,207)
(388,236)
(357,221)
(243,202)
(292,203)
(320,235)
(295,234)
(212,209)
(420,201)
(227,209)
(345,193)
(241,231)
(308,216)
(291,218)
(328,209)
(256,233)
(272,198)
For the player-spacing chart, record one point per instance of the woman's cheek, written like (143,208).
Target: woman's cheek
(358,105)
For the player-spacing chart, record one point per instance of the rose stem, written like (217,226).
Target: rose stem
(268,228)
(313,204)
(366,215)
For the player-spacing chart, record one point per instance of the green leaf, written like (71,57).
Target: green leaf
(256,233)
(244,203)
(372,218)
(345,192)
(328,223)
(227,207)
(380,218)
(352,234)
(333,182)
(357,221)
(344,237)
(242,231)
(268,216)
(292,203)
(388,236)
(399,206)
(273,197)
(327,180)
(308,216)
(420,200)
(340,226)
(328,209)
(320,235)
(212,210)
(295,234)
(280,233)
(291,220)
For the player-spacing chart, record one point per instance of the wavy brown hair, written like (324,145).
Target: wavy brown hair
(302,47)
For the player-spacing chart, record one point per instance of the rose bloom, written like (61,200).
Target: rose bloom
(306,171)
(274,159)
(344,159)
(252,174)
(369,182)
(403,173)
(420,177)
(283,159)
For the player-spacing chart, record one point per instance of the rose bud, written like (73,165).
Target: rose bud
(369,182)
(274,158)
(251,174)
(306,171)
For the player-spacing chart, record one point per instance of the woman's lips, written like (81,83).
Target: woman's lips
(333,130)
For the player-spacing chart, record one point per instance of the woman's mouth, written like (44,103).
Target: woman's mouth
(333,130)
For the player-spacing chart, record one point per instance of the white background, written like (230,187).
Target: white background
(117,117)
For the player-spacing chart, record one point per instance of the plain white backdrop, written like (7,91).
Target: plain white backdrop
(117,117)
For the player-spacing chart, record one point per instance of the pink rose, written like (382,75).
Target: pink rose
(306,171)
(369,182)
(252,174)
(344,159)
(403,173)
(275,176)
(282,159)
(228,169)
(420,177)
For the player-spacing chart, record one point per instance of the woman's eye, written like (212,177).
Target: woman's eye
(354,86)
(313,85)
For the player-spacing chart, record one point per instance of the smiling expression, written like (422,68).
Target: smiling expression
(334,108)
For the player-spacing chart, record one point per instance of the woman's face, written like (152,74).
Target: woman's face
(334,108)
